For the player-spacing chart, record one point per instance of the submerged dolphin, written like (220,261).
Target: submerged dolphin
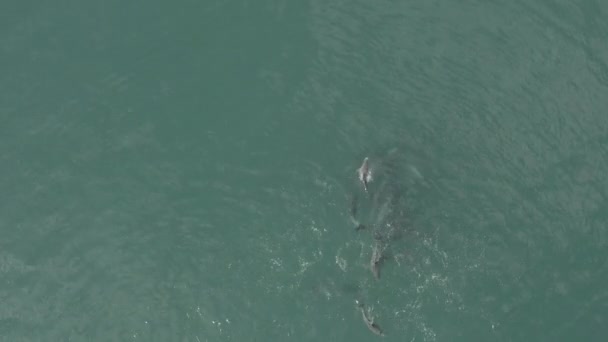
(353,213)
(365,173)
(369,322)
(377,259)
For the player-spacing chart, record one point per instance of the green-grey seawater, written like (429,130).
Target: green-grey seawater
(183,171)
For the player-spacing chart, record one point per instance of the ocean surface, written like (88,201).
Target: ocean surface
(186,170)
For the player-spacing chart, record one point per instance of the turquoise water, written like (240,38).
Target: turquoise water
(183,171)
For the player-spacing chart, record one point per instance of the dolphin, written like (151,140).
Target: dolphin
(365,173)
(369,322)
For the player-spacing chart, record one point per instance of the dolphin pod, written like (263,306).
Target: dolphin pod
(385,195)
